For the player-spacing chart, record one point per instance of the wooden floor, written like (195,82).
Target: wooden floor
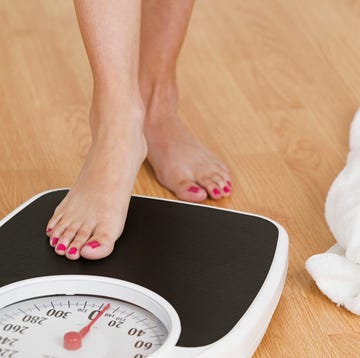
(270,86)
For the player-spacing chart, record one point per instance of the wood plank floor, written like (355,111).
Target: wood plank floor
(270,86)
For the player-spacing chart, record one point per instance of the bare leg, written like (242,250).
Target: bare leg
(181,163)
(91,217)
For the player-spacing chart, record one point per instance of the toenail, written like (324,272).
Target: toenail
(61,247)
(93,244)
(216,191)
(73,251)
(226,189)
(48,230)
(54,240)
(194,189)
(229,183)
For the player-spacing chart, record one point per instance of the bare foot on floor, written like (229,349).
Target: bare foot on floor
(181,163)
(92,215)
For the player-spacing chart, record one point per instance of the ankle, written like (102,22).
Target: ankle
(117,96)
(158,93)
(109,116)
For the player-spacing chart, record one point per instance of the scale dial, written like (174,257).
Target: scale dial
(125,320)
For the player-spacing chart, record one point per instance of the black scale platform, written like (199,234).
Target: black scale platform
(208,263)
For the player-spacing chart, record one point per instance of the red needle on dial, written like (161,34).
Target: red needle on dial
(72,340)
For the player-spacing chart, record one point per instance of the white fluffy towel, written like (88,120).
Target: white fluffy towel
(337,271)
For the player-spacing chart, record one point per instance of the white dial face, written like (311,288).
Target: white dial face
(36,328)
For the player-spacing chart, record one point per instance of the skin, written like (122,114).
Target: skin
(180,164)
(133,116)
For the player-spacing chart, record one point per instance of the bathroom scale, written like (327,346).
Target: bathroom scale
(184,280)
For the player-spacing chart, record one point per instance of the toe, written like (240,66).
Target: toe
(211,187)
(222,183)
(66,238)
(52,223)
(72,253)
(100,245)
(81,237)
(60,249)
(188,190)
(56,217)
(57,231)
(225,180)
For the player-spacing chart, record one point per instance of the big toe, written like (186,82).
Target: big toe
(99,245)
(190,191)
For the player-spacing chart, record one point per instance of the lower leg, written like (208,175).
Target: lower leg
(163,28)
(181,163)
(91,217)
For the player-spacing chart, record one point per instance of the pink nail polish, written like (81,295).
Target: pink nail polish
(48,230)
(229,183)
(73,251)
(194,189)
(226,189)
(61,247)
(216,191)
(54,241)
(93,244)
